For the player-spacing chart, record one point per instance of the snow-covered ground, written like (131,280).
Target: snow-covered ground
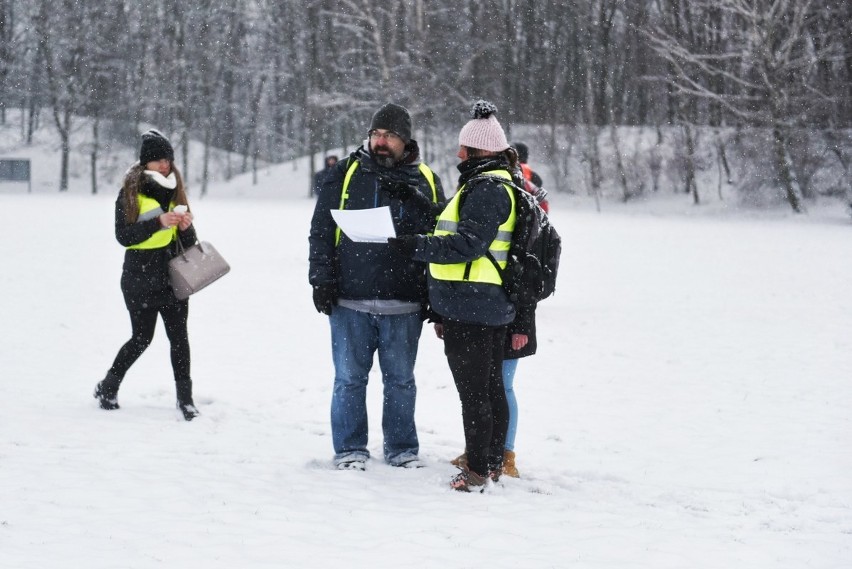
(690,405)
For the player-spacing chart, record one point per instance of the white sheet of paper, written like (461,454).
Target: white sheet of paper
(365,225)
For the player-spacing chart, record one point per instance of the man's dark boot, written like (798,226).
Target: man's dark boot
(106,392)
(184,399)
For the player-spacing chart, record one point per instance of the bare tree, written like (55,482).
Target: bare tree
(62,57)
(275,79)
(767,62)
(7,30)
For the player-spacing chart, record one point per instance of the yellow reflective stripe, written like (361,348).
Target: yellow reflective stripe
(447,225)
(430,178)
(151,214)
(344,195)
(149,209)
(504,236)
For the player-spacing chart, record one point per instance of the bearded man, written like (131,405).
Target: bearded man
(374,297)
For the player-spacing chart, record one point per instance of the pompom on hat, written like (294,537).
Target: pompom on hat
(483,131)
(155,146)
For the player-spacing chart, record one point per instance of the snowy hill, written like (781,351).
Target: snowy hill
(291,179)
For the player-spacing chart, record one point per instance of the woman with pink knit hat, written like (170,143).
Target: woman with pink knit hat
(465,288)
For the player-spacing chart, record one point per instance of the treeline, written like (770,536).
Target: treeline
(273,79)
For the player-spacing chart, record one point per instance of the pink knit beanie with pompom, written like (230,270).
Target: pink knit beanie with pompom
(483,131)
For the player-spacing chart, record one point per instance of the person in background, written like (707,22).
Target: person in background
(374,298)
(466,292)
(532,181)
(523,157)
(151,213)
(320,176)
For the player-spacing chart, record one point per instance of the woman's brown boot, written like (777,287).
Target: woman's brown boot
(509,468)
(460,461)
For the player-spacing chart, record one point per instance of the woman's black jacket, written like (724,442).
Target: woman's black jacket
(145,275)
(485,206)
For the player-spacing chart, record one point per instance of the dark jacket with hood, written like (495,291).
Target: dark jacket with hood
(145,275)
(485,206)
(370,271)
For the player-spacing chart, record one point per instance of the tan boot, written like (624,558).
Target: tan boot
(509,468)
(460,461)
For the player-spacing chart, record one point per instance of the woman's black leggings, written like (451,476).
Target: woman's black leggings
(143,323)
(475,355)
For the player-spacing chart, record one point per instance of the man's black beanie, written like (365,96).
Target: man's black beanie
(155,146)
(395,119)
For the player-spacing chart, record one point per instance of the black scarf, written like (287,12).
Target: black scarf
(475,166)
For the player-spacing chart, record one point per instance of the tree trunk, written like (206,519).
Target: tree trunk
(592,150)
(94,155)
(184,143)
(32,119)
(619,163)
(782,167)
(63,172)
(309,144)
(655,161)
(691,184)
(255,152)
(63,127)
(205,167)
(722,150)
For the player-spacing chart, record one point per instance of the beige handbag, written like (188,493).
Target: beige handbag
(195,268)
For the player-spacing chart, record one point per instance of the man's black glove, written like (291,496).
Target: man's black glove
(397,189)
(409,194)
(404,244)
(325,296)
(429,315)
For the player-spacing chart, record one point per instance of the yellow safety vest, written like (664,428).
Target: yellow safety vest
(344,194)
(479,270)
(149,209)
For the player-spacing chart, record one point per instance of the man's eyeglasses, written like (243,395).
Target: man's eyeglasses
(376,135)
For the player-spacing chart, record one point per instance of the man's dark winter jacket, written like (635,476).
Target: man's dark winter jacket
(485,207)
(370,271)
(145,276)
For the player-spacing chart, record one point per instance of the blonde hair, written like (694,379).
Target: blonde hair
(133,182)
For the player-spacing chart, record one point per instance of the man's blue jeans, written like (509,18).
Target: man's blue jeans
(355,337)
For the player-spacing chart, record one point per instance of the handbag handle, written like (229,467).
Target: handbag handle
(182,249)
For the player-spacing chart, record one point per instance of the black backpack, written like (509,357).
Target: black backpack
(533,263)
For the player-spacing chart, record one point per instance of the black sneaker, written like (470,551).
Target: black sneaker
(104,400)
(189,411)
